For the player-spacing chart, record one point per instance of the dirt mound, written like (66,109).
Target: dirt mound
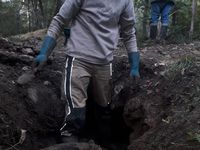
(158,112)
(42,116)
(35,107)
(38,34)
(165,114)
(74,146)
(171,112)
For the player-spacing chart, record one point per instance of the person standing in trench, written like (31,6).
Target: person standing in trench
(94,34)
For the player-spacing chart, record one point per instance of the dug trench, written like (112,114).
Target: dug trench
(36,106)
(160,111)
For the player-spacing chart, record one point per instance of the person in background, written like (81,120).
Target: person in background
(94,34)
(160,9)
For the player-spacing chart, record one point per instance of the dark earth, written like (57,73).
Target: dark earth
(160,111)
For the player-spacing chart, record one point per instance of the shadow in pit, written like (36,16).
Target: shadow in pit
(109,129)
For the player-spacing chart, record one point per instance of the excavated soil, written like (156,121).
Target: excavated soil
(160,111)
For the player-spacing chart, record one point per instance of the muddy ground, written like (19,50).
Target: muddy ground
(158,112)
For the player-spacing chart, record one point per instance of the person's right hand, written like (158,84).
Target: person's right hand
(39,62)
(134,59)
(41,58)
(47,47)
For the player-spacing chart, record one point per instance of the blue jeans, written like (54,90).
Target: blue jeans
(160,9)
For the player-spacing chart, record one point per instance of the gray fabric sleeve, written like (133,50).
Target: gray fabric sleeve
(67,12)
(127,23)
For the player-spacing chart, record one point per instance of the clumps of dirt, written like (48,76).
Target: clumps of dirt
(10,104)
(38,34)
(41,116)
(165,114)
(8,131)
(160,111)
(10,110)
(4,43)
(172,114)
(72,146)
(35,107)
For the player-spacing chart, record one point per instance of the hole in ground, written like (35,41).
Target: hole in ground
(117,135)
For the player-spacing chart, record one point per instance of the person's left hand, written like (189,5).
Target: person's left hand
(134,73)
(134,59)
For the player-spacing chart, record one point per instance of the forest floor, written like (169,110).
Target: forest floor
(159,112)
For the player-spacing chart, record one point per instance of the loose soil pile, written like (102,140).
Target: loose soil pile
(160,111)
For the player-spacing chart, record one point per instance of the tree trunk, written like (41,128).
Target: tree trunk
(194,4)
(42,14)
(145,23)
(29,16)
(35,18)
(174,15)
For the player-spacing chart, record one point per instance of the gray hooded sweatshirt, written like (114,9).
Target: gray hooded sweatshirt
(95,28)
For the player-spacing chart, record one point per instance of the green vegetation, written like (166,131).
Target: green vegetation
(179,68)
(195,136)
(181,18)
(21,16)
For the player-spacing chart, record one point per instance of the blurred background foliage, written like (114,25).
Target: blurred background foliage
(21,16)
(184,25)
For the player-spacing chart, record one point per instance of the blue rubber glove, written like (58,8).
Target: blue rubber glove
(48,45)
(134,59)
(67,34)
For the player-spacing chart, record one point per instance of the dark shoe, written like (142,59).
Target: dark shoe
(74,136)
(153,32)
(74,122)
(68,129)
(103,123)
(68,133)
(70,139)
(74,125)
